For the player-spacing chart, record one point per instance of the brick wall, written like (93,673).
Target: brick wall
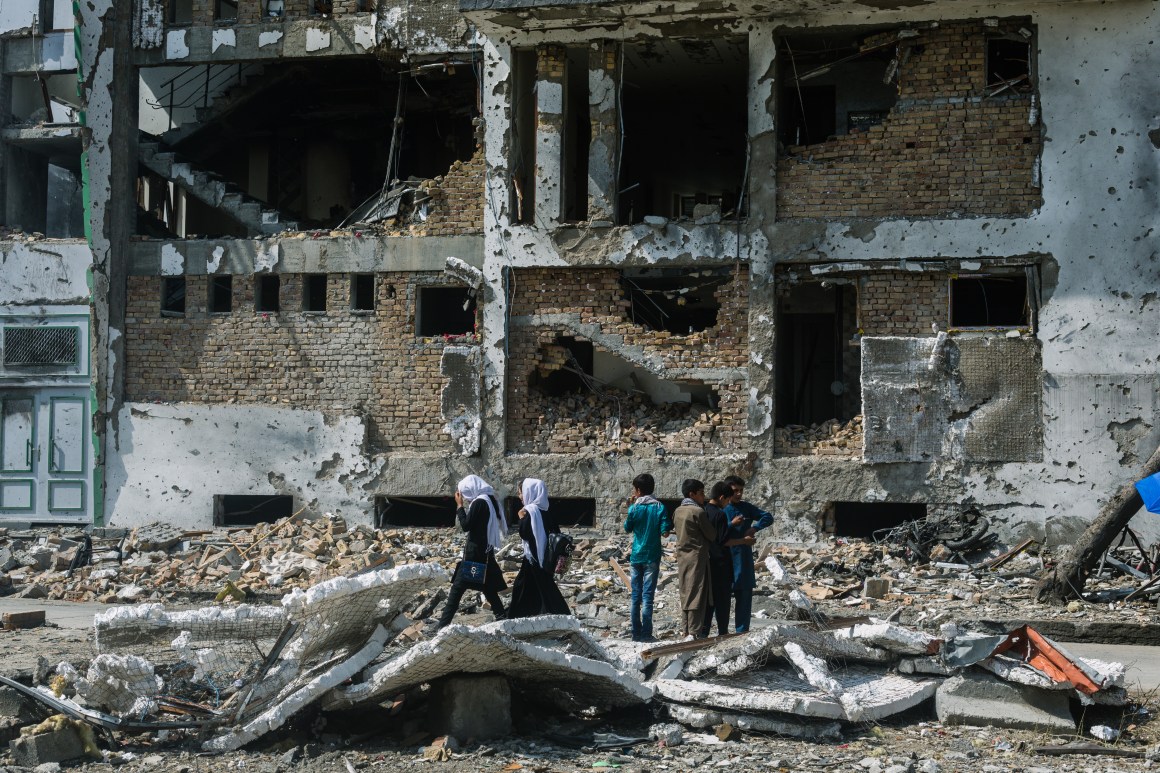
(339,361)
(944,148)
(455,206)
(904,303)
(538,423)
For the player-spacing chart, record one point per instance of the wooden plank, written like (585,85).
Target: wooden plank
(687,646)
(620,572)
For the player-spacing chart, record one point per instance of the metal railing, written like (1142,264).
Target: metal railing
(199,83)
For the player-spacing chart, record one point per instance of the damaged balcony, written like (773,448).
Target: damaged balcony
(242,150)
(661,367)
(866,368)
(922,121)
(602,133)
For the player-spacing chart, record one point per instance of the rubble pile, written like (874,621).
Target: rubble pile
(830,438)
(221,678)
(617,420)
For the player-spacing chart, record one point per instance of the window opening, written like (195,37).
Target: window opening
(1008,64)
(225,10)
(266,293)
(173,296)
(838,83)
(678,300)
(700,86)
(814,329)
(862,519)
(362,292)
(445,311)
(250,509)
(989,301)
(314,292)
(523,137)
(221,294)
(564,511)
(180,11)
(577,135)
(437,512)
(566,367)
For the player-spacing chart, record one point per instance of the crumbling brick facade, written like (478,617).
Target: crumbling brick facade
(946,147)
(615,420)
(335,361)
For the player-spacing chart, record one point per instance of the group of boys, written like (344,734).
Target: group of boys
(714,552)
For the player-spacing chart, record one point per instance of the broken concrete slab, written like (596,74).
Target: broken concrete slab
(574,681)
(129,626)
(740,653)
(892,637)
(974,698)
(791,727)
(60,745)
(781,692)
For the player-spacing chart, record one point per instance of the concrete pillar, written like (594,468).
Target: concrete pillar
(551,62)
(472,707)
(604,112)
(5,110)
(762,200)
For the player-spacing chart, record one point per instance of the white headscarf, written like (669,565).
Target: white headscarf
(535,495)
(472,488)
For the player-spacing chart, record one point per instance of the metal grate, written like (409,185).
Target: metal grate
(40,345)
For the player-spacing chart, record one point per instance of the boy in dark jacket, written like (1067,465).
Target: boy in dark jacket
(647,522)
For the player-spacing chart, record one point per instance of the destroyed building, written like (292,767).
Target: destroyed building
(264,257)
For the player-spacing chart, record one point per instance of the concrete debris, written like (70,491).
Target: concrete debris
(758,723)
(972,698)
(122,684)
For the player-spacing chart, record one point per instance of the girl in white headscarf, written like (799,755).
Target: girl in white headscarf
(534,591)
(479,516)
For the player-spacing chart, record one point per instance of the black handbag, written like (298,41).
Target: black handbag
(471,573)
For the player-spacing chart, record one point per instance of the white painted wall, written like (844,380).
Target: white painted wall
(42,273)
(171,459)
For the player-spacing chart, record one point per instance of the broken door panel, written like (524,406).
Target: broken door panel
(975,399)
(66,450)
(17,430)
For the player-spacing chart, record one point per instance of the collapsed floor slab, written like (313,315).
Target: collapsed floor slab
(781,692)
(573,681)
(792,727)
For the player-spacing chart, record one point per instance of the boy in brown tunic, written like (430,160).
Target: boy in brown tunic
(694,533)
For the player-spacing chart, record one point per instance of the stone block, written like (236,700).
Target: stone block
(876,587)
(472,707)
(974,698)
(55,746)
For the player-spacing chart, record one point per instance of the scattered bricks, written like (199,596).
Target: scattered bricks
(980,699)
(16,620)
(58,745)
(473,707)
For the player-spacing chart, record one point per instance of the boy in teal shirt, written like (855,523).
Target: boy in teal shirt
(648,521)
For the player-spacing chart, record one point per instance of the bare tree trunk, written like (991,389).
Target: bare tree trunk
(1067,579)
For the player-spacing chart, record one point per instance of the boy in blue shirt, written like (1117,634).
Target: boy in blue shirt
(744,579)
(647,522)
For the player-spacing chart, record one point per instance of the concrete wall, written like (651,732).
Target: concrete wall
(44,273)
(1088,224)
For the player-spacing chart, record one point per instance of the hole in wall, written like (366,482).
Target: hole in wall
(989,302)
(862,519)
(249,509)
(173,295)
(444,311)
(434,512)
(678,300)
(267,291)
(221,294)
(1009,62)
(362,292)
(565,511)
(314,292)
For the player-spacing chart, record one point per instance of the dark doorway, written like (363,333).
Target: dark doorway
(810,347)
(438,512)
(249,509)
(862,519)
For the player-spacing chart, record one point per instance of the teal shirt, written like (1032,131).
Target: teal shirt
(646,523)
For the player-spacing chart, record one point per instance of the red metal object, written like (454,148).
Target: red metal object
(1040,652)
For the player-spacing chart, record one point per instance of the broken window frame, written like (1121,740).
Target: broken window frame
(170,287)
(1029,305)
(421,322)
(1021,84)
(314,301)
(218,285)
(267,294)
(356,292)
(220,8)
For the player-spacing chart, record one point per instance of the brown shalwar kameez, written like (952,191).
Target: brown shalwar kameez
(694,533)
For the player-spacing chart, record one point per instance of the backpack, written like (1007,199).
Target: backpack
(560,547)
